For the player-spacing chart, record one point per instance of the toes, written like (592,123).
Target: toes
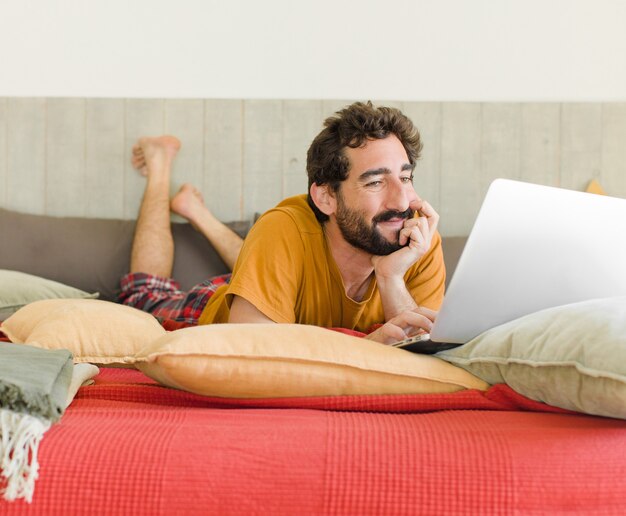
(196,193)
(184,187)
(138,163)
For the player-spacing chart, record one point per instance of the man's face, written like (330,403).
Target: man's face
(374,201)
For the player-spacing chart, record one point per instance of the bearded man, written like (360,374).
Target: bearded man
(360,251)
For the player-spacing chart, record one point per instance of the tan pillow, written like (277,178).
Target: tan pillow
(94,331)
(290,360)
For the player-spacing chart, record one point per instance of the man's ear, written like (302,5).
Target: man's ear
(324,198)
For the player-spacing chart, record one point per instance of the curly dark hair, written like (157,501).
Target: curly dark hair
(351,127)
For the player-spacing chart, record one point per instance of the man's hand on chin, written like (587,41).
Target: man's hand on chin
(415,237)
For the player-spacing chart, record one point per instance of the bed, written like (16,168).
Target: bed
(128,444)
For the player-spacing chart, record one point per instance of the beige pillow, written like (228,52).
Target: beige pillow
(82,374)
(571,356)
(290,360)
(94,331)
(17,289)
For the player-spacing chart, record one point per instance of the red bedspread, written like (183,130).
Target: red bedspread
(129,446)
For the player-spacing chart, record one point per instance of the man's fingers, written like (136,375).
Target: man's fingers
(418,239)
(409,223)
(388,333)
(423,323)
(405,232)
(392,333)
(417,230)
(405,235)
(426,312)
(405,325)
(415,236)
(424,229)
(412,321)
(425,209)
(432,216)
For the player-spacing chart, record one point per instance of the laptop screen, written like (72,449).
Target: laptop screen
(533,247)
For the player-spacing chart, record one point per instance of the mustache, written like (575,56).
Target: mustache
(392,214)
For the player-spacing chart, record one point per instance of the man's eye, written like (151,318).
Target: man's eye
(373,184)
(407,179)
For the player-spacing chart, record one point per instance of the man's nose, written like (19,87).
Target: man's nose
(399,196)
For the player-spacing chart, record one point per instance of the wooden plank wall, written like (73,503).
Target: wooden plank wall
(72,156)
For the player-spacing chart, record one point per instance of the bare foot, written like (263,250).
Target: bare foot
(151,154)
(188,203)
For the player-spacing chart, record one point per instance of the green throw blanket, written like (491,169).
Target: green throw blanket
(34,386)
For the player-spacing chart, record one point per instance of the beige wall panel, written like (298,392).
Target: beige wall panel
(387,103)
(262,155)
(26,144)
(72,156)
(581,144)
(613,177)
(65,157)
(3,152)
(426,116)
(331,106)
(185,120)
(461,193)
(302,121)
(500,143)
(540,151)
(142,118)
(223,162)
(105,157)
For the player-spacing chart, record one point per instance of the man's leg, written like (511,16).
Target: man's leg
(148,286)
(153,246)
(189,204)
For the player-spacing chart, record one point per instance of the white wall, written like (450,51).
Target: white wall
(477,50)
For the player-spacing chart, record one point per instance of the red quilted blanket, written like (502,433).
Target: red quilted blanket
(129,446)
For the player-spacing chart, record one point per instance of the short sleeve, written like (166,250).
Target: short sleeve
(269,270)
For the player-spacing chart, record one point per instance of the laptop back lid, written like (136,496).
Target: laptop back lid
(533,247)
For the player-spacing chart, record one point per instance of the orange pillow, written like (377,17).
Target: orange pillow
(292,360)
(94,331)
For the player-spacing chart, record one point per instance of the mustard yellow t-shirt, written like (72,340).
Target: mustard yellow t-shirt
(286,270)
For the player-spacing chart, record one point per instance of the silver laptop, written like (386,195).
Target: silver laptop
(532,247)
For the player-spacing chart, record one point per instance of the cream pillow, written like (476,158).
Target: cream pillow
(94,331)
(82,374)
(291,360)
(571,356)
(17,289)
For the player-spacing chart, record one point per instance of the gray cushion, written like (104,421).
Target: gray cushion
(93,254)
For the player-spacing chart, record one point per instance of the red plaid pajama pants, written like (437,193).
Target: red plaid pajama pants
(163,297)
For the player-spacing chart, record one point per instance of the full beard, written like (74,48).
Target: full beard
(367,237)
